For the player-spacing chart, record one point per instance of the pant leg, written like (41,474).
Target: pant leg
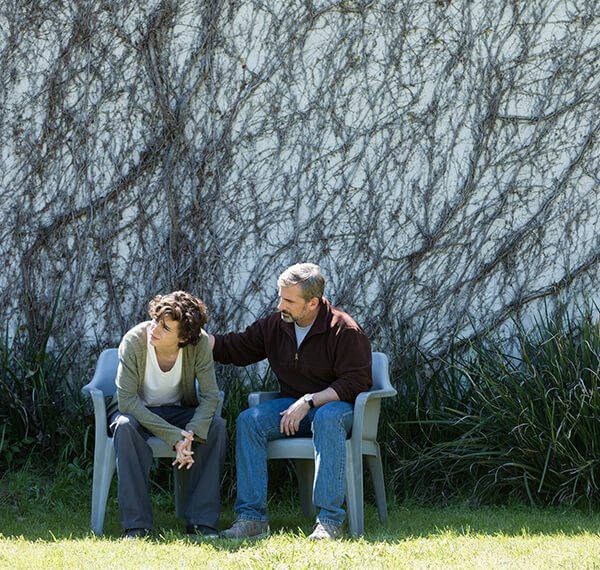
(331,425)
(204,499)
(255,427)
(133,458)
(204,477)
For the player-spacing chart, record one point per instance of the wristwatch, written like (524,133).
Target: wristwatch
(308,398)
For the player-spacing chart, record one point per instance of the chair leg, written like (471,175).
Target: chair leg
(104,469)
(180,484)
(305,471)
(354,493)
(376,469)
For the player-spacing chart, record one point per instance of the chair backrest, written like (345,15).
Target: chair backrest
(106,372)
(381,375)
(381,381)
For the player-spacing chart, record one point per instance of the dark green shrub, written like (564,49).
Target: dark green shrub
(41,412)
(500,423)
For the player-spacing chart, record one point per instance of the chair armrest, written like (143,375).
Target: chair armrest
(364,396)
(99,403)
(360,409)
(255,398)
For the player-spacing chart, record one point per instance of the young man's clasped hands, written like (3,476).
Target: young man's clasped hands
(184,450)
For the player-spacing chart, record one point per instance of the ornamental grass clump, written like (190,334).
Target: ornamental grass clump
(41,412)
(510,420)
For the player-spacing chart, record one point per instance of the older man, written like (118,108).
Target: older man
(322,359)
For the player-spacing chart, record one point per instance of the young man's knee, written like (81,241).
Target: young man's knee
(123,423)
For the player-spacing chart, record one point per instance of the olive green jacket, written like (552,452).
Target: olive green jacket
(197,363)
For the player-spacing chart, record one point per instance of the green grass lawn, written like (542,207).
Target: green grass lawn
(41,529)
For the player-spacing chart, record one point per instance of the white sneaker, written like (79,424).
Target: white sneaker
(326,531)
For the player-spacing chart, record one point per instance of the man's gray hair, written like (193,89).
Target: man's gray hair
(308,276)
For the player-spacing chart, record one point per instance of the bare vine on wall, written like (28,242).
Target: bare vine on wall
(438,159)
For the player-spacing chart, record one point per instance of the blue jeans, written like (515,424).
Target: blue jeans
(329,426)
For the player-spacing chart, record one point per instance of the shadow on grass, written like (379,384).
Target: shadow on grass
(64,522)
(41,508)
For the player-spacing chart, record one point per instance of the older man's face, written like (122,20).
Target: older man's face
(292,305)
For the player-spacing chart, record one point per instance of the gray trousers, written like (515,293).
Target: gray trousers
(134,458)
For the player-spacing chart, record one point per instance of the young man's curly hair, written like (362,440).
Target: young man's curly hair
(189,311)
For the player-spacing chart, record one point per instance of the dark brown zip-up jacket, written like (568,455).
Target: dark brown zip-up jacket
(335,353)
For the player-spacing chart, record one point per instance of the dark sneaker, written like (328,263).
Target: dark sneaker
(131,533)
(326,531)
(201,531)
(245,528)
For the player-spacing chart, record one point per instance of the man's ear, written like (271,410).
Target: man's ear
(314,303)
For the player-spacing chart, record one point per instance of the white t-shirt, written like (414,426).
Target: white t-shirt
(161,388)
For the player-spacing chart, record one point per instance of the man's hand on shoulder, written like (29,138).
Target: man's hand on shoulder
(211,341)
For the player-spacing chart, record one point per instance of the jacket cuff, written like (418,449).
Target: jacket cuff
(173,440)
(343,395)
(200,432)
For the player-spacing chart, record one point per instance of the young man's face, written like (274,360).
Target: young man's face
(293,307)
(164,334)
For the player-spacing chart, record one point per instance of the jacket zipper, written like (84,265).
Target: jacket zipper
(296,360)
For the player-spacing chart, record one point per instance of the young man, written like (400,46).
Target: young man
(159,363)
(322,360)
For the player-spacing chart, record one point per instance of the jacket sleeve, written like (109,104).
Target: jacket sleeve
(208,397)
(128,381)
(352,364)
(242,348)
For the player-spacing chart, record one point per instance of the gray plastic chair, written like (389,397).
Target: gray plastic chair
(363,442)
(103,386)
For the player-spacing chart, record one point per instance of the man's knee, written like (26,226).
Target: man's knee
(248,419)
(330,415)
(124,423)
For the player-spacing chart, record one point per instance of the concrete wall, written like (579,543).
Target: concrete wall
(439,159)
